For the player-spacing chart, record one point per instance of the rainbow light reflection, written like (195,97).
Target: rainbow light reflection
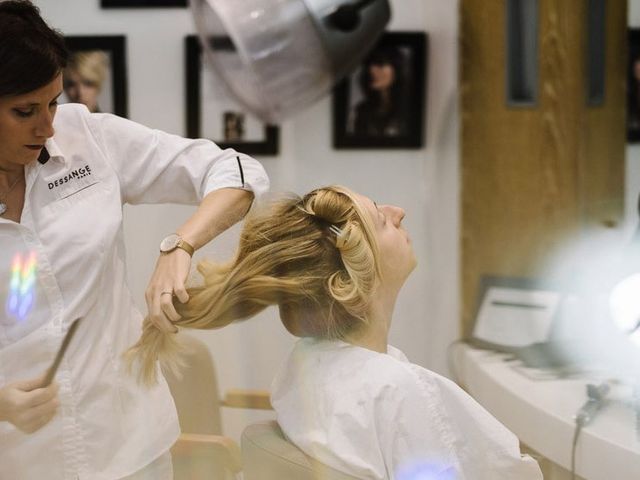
(22,285)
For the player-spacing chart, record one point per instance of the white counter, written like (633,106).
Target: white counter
(541,412)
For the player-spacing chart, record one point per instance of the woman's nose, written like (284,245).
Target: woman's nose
(44,127)
(395,213)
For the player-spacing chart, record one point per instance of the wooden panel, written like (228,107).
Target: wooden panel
(533,177)
(604,142)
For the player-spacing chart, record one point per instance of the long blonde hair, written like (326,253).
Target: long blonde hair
(291,255)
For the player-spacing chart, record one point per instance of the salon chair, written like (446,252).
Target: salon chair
(268,455)
(202,452)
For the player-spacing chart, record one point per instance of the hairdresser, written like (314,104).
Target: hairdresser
(65,174)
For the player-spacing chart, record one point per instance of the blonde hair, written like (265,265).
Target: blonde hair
(289,255)
(91,65)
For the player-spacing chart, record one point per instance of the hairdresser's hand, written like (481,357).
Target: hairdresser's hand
(28,406)
(167,282)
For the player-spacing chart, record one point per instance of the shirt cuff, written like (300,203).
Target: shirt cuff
(237,171)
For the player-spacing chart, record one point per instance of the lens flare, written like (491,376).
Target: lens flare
(625,307)
(425,471)
(596,320)
(22,285)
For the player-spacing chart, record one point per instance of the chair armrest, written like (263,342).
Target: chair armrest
(224,449)
(254,399)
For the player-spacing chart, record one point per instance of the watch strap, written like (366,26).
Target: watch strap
(187,247)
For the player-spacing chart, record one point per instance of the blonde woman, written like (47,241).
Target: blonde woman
(334,262)
(84,77)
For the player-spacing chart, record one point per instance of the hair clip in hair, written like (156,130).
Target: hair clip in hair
(336,230)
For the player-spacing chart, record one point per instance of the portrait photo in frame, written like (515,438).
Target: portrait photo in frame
(96,74)
(142,3)
(382,103)
(213,113)
(633,87)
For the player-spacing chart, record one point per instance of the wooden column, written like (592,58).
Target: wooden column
(535,176)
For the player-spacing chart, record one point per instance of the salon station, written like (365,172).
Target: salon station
(508,131)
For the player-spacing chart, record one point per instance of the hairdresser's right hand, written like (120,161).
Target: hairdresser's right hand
(27,405)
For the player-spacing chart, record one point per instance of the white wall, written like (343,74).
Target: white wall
(424,182)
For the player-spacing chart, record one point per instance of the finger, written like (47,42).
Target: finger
(45,409)
(37,423)
(181,293)
(31,418)
(159,319)
(162,323)
(29,385)
(148,297)
(155,312)
(166,304)
(40,396)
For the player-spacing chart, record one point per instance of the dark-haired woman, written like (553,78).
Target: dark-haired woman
(64,175)
(383,111)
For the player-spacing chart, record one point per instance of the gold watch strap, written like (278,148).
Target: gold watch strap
(186,247)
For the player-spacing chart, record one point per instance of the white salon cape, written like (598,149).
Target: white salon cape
(378,416)
(107,426)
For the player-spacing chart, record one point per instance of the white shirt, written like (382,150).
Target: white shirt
(107,426)
(377,416)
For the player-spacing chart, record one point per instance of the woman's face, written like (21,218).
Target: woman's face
(81,90)
(26,122)
(397,259)
(382,76)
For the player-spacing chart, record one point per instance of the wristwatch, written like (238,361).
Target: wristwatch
(173,241)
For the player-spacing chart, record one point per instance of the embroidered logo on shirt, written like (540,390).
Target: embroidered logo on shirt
(76,174)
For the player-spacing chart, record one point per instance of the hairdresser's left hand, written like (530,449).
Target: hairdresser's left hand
(169,276)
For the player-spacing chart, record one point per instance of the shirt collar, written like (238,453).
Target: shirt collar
(51,151)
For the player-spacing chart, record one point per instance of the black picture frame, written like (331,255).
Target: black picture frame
(633,87)
(354,125)
(115,47)
(143,3)
(268,144)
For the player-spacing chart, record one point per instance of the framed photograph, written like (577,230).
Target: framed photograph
(382,103)
(142,3)
(213,113)
(633,89)
(97,74)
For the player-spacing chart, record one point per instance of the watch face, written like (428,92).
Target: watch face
(169,243)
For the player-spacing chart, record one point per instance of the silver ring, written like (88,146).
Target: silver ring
(166,293)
